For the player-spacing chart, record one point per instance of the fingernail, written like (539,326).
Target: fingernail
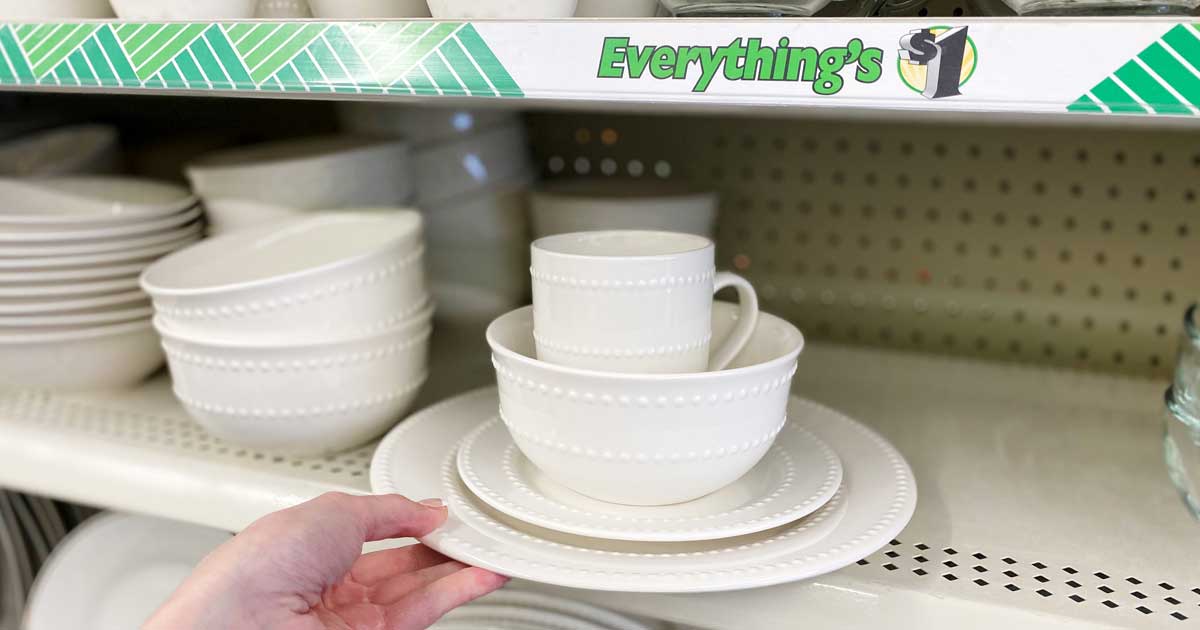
(433,503)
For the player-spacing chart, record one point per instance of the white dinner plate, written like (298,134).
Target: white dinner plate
(25,293)
(75,304)
(493,617)
(44,276)
(877,499)
(797,476)
(114,571)
(551,603)
(21,557)
(143,255)
(67,236)
(13,252)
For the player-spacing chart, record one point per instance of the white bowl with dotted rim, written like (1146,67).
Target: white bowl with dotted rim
(325,276)
(305,399)
(101,357)
(646,439)
(596,204)
(502,9)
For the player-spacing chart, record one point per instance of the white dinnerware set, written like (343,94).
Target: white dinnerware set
(643,437)
(71,249)
(471,173)
(307,336)
(259,184)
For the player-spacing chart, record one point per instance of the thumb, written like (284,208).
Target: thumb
(385,516)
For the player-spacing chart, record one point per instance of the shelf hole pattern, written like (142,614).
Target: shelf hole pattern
(174,433)
(1046,586)
(1050,245)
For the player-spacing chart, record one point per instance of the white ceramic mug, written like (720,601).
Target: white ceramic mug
(634,302)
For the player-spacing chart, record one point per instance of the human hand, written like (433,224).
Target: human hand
(303,569)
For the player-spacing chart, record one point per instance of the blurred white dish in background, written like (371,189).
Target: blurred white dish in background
(325,276)
(184,9)
(226,216)
(283,9)
(297,397)
(368,9)
(420,125)
(39,9)
(471,305)
(499,213)
(322,173)
(79,149)
(593,204)
(104,357)
(502,9)
(86,203)
(562,605)
(471,163)
(113,571)
(495,616)
(617,8)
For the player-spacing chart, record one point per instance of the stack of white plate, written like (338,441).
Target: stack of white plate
(472,172)
(308,336)
(71,249)
(821,492)
(255,185)
(29,528)
(517,609)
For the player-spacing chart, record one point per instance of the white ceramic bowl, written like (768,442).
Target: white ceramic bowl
(316,398)
(592,204)
(646,439)
(368,9)
(470,164)
(500,213)
(184,9)
(121,313)
(617,8)
(502,9)
(283,10)
(420,125)
(331,275)
(62,151)
(226,216)
(127,255)
(323,173)
(40,9)
(87,203)
(105,357)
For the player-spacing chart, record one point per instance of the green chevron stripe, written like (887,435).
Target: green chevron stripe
(227,58)
(114,55)
(443,77)
(168,44)
(1084,104)
(15,68)
(467,73)
(304,66)
(81,68)
(57,46)
(32,35)
(491,66)
(1172,65)
(236,31)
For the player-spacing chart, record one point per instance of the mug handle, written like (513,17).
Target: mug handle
(747,320)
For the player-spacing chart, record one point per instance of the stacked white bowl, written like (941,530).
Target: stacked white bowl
(255,185)
(71,250)
(472,172)
(308,336)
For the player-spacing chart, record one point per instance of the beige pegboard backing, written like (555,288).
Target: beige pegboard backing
(1068,246)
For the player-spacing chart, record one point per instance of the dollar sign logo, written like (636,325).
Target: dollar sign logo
(942,55)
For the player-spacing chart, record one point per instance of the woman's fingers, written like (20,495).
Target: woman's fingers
(393,516)
(393,590)
(380,565)
(421,608)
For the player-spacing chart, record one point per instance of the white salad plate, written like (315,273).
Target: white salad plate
(66,236)
(145,255)
(101,247)
(876,501)
(114,571)
(87,202)
(24,293)
(564,606)
(73,305)
(98,272)
(798,475)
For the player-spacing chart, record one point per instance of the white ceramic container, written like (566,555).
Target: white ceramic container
(296,397)
(86,203)
(184,9)
(40,9)
(583,205)
(420,125)
(226,216)
(104,357)
(502,9)
(63,151)
(323,173)
(632,301)
(617,8)
(368,9)
(328,276)
(471,164)
(646,439)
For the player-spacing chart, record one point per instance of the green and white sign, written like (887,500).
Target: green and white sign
(1145,66)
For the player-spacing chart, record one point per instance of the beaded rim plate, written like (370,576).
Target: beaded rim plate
(798,475)
(876,501)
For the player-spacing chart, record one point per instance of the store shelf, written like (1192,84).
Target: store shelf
(1144,67)
(1036,485)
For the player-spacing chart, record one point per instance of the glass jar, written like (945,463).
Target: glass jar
(1187,369)
(1181,449)
(744,8)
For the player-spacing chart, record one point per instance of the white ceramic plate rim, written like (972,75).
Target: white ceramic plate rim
(665,528)
(101,258)
(880,501)
(103,247)
(582,610)
(38,276)
(130,229)
(82,304)
(75,335)
(82,319)
(69,290)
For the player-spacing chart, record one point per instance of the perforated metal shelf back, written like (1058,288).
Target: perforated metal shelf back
(1069,246)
